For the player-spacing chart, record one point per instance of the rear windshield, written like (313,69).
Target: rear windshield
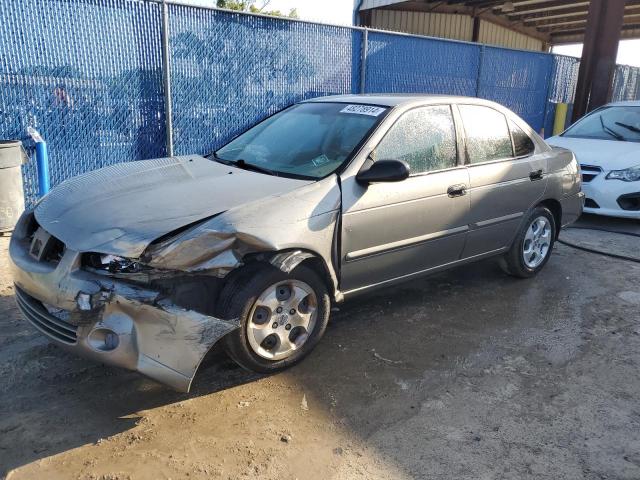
(306,140)
(621,123)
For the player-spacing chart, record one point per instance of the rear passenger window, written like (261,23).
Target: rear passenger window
(487,133)
(424,137)
(521,141)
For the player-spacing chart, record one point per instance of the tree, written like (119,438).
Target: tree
(250,6)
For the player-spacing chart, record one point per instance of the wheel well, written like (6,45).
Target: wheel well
(314,262)
(556,209)
(318,266)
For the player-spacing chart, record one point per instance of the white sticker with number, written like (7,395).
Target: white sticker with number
(363,110)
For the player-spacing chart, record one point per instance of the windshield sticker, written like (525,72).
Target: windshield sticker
(321,160)
(363,110)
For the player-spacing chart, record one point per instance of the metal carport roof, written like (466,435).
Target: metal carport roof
(553,21)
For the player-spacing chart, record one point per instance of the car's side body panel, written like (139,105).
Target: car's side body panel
(500,194)
(565,185)
(390,230)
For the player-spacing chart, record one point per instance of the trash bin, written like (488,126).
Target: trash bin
(11,190)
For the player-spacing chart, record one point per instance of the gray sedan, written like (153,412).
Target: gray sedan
(146,265)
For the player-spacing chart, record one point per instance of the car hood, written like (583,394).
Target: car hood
(607,154)
(121,209)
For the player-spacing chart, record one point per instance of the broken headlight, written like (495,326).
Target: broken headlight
(113,263)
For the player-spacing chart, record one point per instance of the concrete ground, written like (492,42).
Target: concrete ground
(468,374)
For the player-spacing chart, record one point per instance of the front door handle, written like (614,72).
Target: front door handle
(537,175)
(457,190)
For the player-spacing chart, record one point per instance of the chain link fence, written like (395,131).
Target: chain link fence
(88,74)
(229,70)
(410,64)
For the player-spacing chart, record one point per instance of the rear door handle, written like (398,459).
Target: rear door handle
(457,190)
(537,175)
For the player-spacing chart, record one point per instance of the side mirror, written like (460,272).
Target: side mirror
(383,171)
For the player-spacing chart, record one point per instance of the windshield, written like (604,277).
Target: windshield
(309,140)
(609,123)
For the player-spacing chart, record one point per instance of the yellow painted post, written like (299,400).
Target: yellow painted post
(561,118)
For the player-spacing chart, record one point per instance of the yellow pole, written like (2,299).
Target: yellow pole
(560,119)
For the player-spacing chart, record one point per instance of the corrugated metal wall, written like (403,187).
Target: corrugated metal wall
(443,25)
(366,4)
(457,27)
(493,34)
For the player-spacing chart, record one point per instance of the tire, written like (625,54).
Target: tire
(517,262)
(245,298)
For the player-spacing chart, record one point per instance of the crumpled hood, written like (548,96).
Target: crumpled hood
(607,154)
(122,208)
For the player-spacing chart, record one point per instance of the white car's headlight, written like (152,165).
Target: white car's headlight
(627,175)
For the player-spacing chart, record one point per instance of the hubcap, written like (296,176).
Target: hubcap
(537,242)
(282,318)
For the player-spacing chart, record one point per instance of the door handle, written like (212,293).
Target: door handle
(457,190)
(537,175)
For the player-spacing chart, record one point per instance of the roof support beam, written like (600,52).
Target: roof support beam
(582,12)
(602,35)
(545,6)
(476,12)
(551,21)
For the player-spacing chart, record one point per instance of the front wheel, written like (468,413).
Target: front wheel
(533,245)
(282,317)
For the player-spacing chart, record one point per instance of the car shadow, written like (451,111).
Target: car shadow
(51,393)
(380,349)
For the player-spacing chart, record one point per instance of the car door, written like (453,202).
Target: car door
(392,230)
(506,175)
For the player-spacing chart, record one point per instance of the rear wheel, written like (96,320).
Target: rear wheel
(282,316)
(533,245)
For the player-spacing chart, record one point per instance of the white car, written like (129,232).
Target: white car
(606,143)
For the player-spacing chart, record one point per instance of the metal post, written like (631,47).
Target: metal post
(42,161)
(363,60)
(602,34)
(166,77)
(475,35)
(479,76)
(546,97)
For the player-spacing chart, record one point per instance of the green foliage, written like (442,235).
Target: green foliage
(250,6)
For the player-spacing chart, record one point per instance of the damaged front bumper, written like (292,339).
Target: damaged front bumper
(112,321)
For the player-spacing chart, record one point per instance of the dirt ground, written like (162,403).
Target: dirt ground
(464,375)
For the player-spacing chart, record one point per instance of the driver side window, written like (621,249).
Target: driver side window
(424,137)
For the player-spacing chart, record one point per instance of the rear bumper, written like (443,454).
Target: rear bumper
(572,207)
(110,321)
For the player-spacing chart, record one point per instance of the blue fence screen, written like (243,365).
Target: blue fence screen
(402,63)
(230,70)
(88,74)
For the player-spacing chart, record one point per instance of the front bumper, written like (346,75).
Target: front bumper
(606,195)
(111,321)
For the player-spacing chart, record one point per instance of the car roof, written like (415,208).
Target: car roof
(629,103)
(400,99)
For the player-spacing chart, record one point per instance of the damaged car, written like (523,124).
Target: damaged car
(147,265)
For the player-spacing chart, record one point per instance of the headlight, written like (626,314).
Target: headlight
(627,175)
